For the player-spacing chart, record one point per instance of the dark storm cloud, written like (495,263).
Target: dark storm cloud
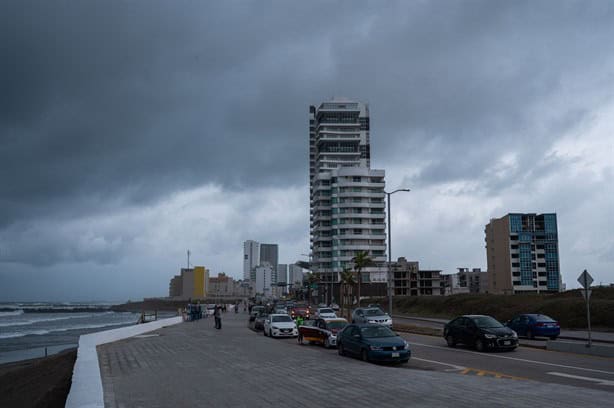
(107,105)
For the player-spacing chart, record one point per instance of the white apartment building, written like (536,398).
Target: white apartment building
(264,279)
(251,258)
(347,211)
(295,275)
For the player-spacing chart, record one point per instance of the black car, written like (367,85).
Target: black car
(481,332)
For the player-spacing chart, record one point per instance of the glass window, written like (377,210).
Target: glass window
(486,322)
(376,331)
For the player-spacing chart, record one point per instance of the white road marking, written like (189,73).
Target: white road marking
(592,370)
(599,381)
(454,366)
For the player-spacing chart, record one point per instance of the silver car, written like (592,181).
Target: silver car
(371,315)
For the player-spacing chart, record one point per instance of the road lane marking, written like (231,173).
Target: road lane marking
(599,381)
(486,373)
(454,366)
(592,370)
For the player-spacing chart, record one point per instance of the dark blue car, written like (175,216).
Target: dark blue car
(532,325)
(373,342)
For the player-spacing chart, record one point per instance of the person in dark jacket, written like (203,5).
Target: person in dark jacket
(218,317)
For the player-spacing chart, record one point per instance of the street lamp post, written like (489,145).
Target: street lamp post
(390,249)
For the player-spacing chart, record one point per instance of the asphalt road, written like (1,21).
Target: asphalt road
(525,363)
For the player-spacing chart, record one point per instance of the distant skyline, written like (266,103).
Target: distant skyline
(133,131)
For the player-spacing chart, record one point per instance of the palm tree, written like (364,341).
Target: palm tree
(312,278)
(346,281)
(361,260)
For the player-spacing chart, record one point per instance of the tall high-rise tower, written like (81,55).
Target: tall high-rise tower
(251,258)
(347,211)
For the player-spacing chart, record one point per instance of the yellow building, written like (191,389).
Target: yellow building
(192,283)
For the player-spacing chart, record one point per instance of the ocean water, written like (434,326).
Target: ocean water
(27,329)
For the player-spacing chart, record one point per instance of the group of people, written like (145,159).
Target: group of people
(194,311)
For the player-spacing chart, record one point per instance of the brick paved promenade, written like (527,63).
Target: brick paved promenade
(194,365)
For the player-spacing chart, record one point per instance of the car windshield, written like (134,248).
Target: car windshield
(327,311)
(544,318)
(486,322)
(376,331)
(336,325)
(278,319)
(374,312)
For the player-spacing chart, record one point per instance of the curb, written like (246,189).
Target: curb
(86,388)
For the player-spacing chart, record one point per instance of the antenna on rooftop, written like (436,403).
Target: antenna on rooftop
(188,259)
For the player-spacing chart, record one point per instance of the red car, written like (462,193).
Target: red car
(303,311)
(321,331)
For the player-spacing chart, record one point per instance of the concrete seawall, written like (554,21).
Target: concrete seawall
(86,388)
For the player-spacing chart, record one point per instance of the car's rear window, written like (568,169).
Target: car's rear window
(376,331)
(544,318)
(337,324)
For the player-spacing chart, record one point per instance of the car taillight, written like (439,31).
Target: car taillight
(556,324)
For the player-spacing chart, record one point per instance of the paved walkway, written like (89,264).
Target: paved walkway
(192,364)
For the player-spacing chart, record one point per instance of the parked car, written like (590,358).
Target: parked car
(325,313)
(480,331)
(532,325)
(321,331)
(259,321)
(280,325)
(371,315)
(373,342)
(280,310)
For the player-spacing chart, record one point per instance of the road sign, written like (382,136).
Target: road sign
(585,279)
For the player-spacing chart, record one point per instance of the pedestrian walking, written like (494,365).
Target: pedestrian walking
(218,317)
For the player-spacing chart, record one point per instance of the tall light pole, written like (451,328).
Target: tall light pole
(390,249)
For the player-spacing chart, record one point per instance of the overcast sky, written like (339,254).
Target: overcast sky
(131,131)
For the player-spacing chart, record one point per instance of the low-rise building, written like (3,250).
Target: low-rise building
(475,279)
(221,286)
(191,283)
(409,280)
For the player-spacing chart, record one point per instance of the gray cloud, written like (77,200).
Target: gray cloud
(113,107)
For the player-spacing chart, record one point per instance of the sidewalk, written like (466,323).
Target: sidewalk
(192,364)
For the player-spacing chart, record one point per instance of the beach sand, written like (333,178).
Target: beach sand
(40,382)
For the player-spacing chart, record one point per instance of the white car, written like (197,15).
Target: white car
(280,325)
(326,313)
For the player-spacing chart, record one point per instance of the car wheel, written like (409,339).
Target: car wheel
(450,341)
(264,332)
(479,345)
(299,338)
(327,343)
(270,333)
(365,355)
(530,334)
(340,349)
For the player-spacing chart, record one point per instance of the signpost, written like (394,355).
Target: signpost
(585,280)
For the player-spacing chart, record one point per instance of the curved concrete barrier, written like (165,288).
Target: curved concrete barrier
(86,388)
